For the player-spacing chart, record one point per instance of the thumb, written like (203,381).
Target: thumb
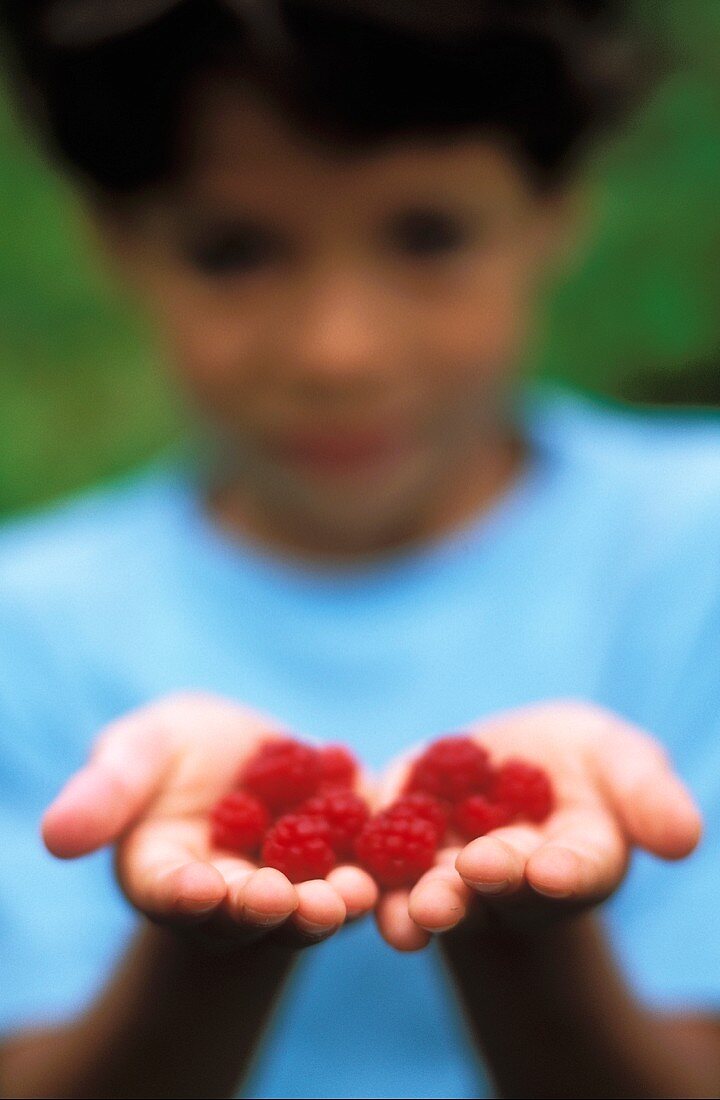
(653,805)
(98,803)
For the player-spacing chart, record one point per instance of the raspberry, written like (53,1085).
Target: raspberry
(282,773)
(338,767)
(525,789)
(451,769)
(345,812)
(423,806)
(475,816)
(397,850)
(299,846)
(238,823)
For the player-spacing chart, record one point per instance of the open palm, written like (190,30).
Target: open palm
(154,776)
(149,786)
(615,790)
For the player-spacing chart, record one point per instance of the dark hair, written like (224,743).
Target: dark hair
(110,91)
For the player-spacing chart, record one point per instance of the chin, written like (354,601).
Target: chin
(363,519)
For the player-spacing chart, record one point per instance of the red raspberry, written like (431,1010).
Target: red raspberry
(299,846)
(238,823)
(451,769)
(345,812)
(397,850)
(423,806)
(282,773)
(338,767)
(475,816)
(525,789)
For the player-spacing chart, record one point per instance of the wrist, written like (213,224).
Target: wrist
(551,968)
(212,951)
(489,930)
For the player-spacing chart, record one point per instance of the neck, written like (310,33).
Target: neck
(467,488)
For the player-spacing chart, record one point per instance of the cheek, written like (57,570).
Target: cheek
(211,354)
(211,343)
(483,328)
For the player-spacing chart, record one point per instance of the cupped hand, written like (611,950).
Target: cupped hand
(615,790)
(148,788)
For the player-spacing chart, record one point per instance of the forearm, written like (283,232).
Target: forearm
(554,1018)
(175,1021)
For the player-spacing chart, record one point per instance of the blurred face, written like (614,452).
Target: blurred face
(348,324)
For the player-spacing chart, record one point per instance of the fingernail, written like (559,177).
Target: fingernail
(264,920)
(309,929)
(489,887)
(201,910)
(355,914)
(557,895)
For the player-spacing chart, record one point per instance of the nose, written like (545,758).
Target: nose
(342,329)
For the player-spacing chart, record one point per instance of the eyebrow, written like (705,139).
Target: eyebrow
(69,24)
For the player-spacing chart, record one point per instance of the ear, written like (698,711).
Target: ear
(569,221)
(115,234)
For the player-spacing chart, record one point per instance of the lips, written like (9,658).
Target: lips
(340,451)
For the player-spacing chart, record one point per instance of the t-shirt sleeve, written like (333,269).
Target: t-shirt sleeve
(62,924)
(665,922)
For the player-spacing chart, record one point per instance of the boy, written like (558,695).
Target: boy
(338,214)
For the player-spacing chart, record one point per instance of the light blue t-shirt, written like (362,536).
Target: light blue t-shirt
(597,577)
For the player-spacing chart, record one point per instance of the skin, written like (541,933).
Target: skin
(201,977)
(615,790)
(545,1000)
(357,390)
(356,384)
(149,787)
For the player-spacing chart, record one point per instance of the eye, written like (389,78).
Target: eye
(426,232)
(234,250)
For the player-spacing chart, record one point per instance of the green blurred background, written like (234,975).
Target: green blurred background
(81,395)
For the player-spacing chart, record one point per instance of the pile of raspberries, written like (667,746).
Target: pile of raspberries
(294,807)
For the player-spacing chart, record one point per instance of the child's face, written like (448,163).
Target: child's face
(349,324)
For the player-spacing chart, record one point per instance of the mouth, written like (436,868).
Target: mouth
(341,452)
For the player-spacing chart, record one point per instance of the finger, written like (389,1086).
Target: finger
(440,900)
(101,800)
(584,859)
(395,924)
(357,889)
(494,865)
(151,859)
(320,909)
(655,809)
(236,870)
(185,890)
(262,898)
